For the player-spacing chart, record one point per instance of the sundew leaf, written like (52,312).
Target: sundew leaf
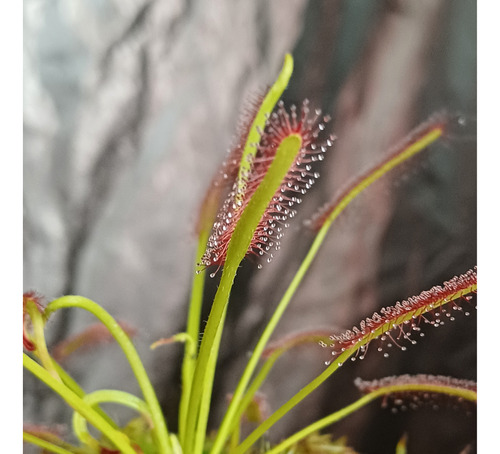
(250,218)
(424,387)
(413,391)
(298,180)
(396,323)
(417,141)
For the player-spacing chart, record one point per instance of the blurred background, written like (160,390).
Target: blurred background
(129,109)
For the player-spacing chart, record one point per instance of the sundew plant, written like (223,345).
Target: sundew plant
(246,211)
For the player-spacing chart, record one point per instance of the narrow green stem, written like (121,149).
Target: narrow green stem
(235,436)
(207,391)
(75,387)
(334,417)
(49,363)
(119,439)
(45,445)
(401,446)
(176,446)
(69,381)
(107,395)
(193,329)
(346,411)
(160,431)
(250,393)
(41,351)
(285,408)
(230,415)
(207,349)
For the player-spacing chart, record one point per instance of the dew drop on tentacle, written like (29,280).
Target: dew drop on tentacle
(279,125)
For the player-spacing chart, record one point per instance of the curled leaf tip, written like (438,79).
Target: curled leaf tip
(32,301)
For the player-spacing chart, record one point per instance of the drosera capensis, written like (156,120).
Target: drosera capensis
(248,206)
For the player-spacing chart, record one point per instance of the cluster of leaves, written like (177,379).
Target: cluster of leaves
(261,182)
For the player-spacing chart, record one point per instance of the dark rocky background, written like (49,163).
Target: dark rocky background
(129,107)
